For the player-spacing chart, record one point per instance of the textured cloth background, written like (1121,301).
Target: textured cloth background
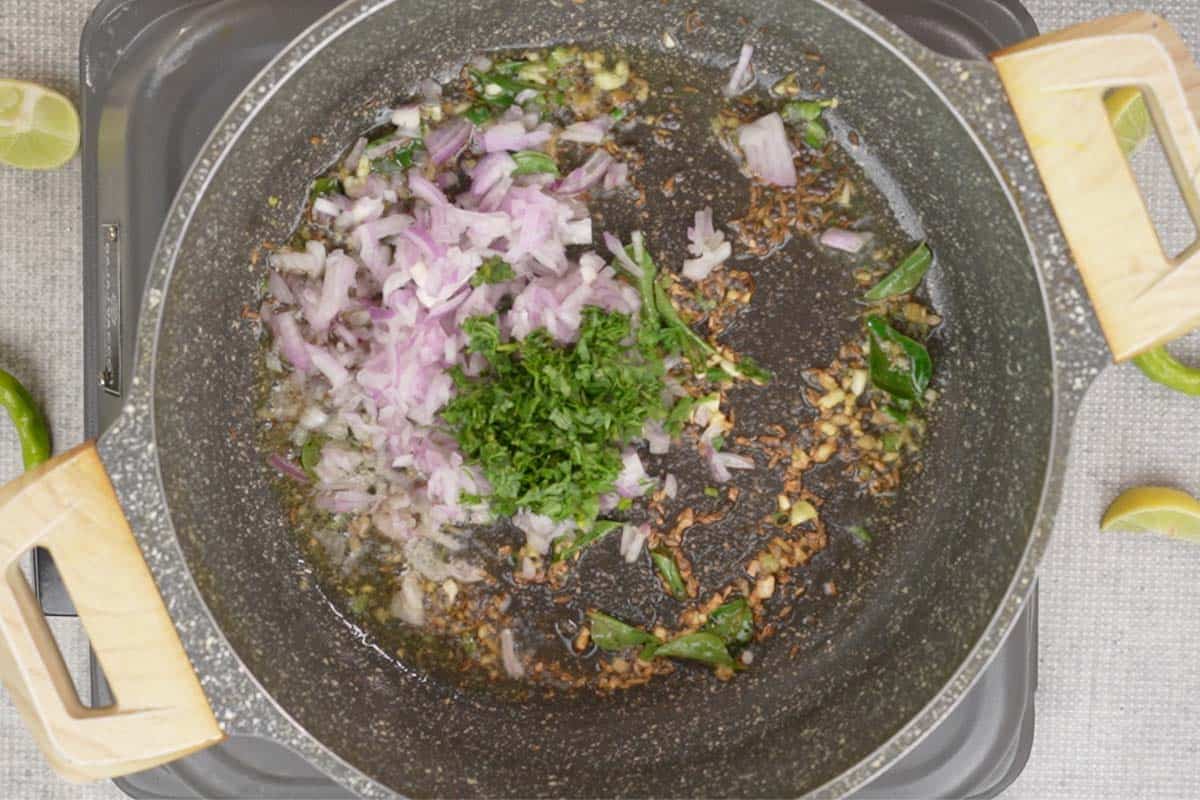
(1119,674)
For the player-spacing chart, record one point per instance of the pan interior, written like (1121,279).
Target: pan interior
(850,670)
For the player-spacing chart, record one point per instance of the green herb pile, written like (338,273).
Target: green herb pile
(546,422)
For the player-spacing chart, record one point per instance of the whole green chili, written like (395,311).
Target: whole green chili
(32,430)
(1162,367)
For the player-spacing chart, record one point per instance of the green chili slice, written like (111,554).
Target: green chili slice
(909,383)
(815,135)
(478,114)
(32,430)
(668,570)
(531,162)
(310,454)
(324,186)
(798,112)
(397,160)
(905,277)
(1162,367)
(506,87)
(860,533)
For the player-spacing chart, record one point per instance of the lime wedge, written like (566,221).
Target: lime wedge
(1129,116)
(1155,509)
(39,128)
(1131,123)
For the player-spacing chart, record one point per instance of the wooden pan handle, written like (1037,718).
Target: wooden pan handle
(1056,84)
(68,506)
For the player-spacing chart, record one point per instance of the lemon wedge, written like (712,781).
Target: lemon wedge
(39,128)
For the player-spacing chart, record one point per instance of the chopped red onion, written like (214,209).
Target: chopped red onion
(540,531)
(279,289)
(513,136)
(430,90)
(488,172)
(448,140)
(339,277)
(407,118)
(423,189)
(617,175)
(633,538)
(670,486)
(288,468)
(356,153)
(707,245)
(844,240)
(768,151)
(657,438)
(409,603)
(632,480)
(508,655)
(618,250)
(588,131)
(720,463)
(586,176)
(291,343)
(742,77)
(326,207)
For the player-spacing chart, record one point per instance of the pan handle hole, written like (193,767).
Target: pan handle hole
(1170,198)
(67,640)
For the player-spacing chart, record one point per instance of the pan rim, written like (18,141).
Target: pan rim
(196,183)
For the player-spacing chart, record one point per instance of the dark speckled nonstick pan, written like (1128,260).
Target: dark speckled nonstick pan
(851,681)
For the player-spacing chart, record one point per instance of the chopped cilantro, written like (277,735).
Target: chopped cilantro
(494,270)
(547,422)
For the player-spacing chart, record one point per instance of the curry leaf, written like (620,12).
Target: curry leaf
(732,622)
(701,646)
(610,634)
(909,381)
(905,277)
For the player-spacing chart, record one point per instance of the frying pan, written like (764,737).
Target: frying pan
(207,621)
